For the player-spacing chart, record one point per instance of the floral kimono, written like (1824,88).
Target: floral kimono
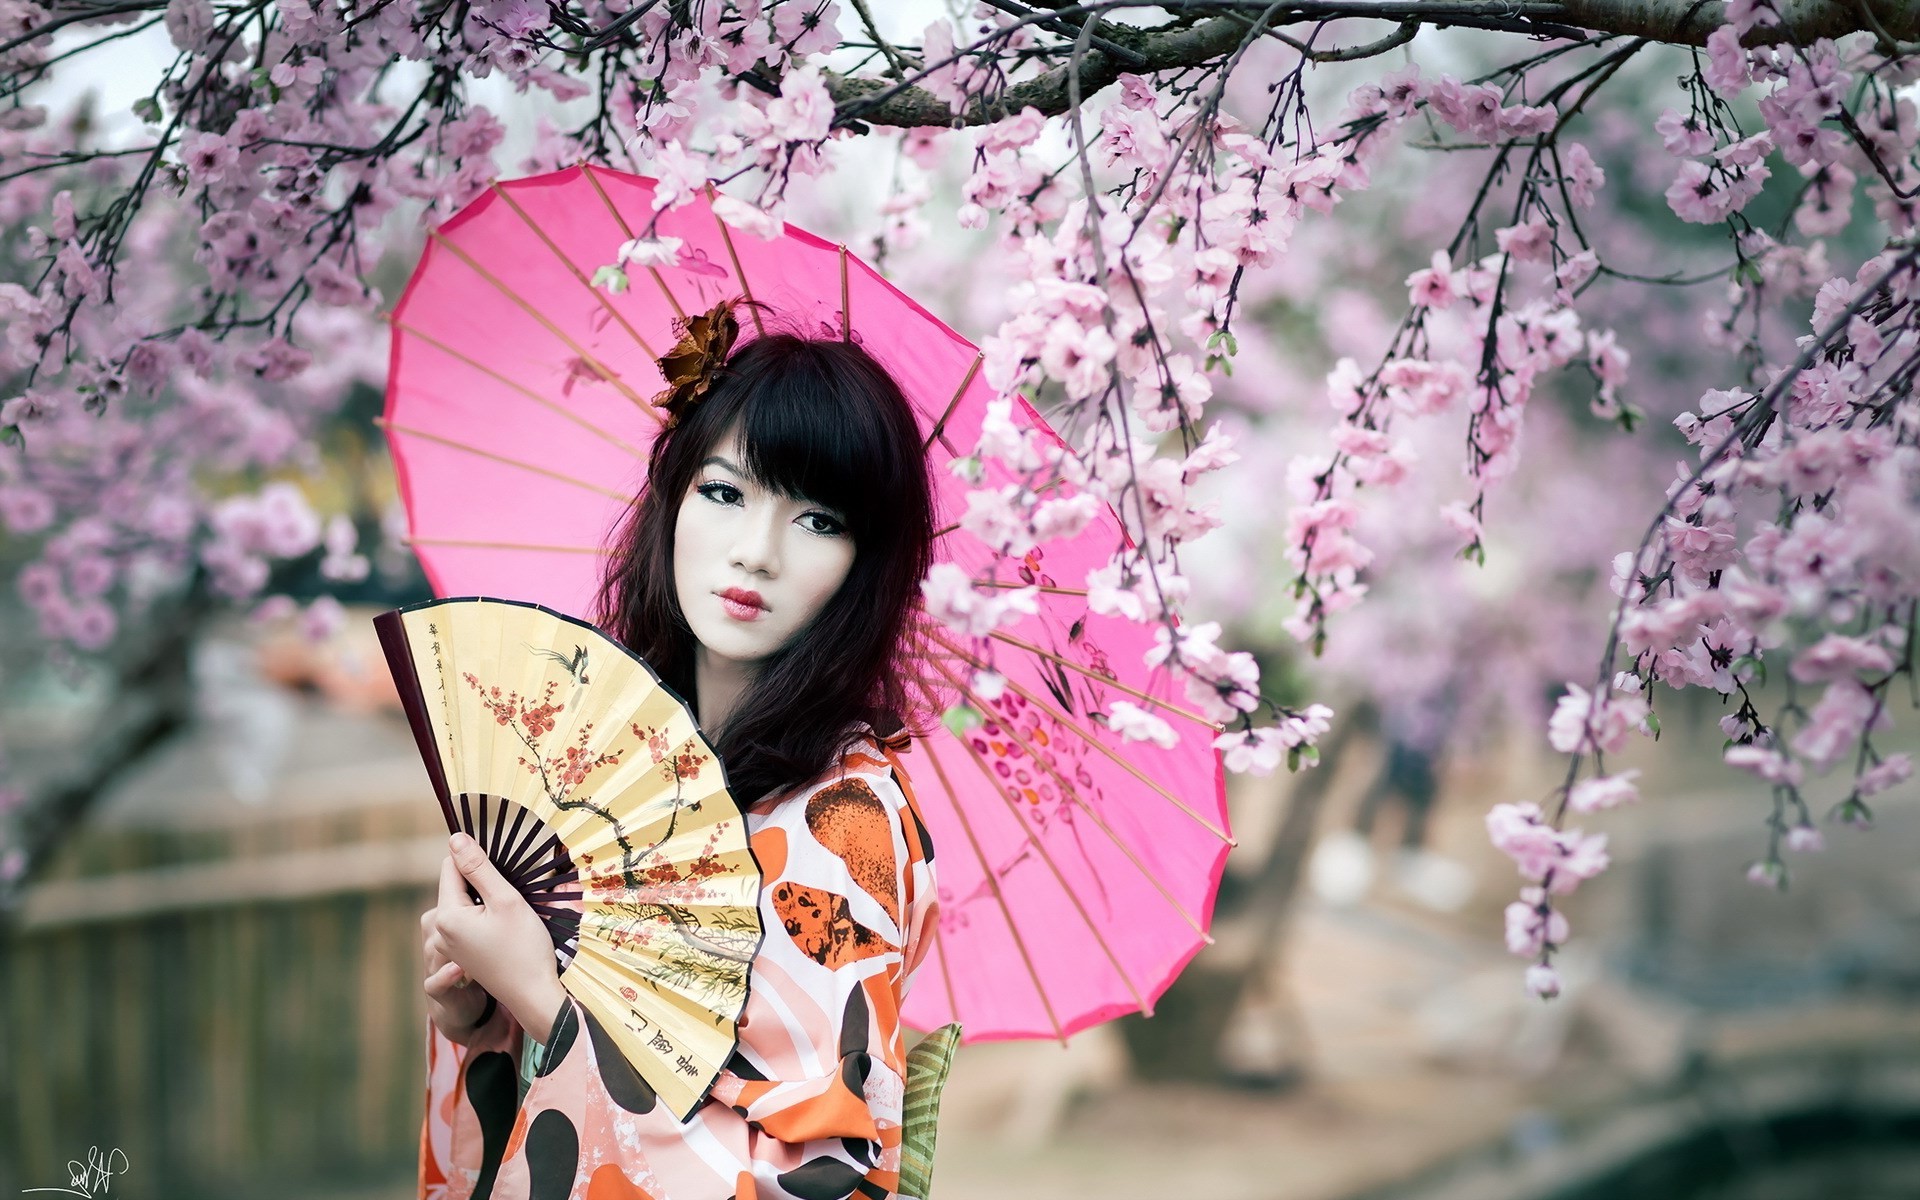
(809,1106)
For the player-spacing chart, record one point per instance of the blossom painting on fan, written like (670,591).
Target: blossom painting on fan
(599,803)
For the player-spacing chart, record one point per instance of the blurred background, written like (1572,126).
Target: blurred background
(218,974)
(213,964)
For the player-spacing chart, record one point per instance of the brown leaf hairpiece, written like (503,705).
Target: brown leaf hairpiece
(705,341)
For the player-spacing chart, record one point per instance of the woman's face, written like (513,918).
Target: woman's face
(750,566)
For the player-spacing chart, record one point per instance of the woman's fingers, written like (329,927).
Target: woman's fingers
(436,952)
(444,980)
(472,862)
(453,888)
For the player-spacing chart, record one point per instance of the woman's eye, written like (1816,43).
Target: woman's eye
(720,493)
(823,524)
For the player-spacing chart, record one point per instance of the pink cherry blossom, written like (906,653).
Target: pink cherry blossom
(1827,206)
(803,112)
(1844,712)
(1583,722)
(1893,770)
(1077,355)
(1136,724)
(808,28)
(1838,656)
(1727,71)
(1530,241)
(1433,286)
(680,176)
(1767,763)
(1304,728)
(1064,517)
(1543,982)
(650,252)
(1584,178)
(1603,792)
(25,509)
(1684,136)
(1254,751)
(1694,196)
(952,599)
(1805,839)
(1770,874)
(208,157)
(1743,15)
(749,217)
(1529,930)
(1558,859)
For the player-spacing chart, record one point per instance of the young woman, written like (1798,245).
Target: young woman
(767,572)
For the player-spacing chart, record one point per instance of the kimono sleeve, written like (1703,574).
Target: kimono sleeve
(472,1099)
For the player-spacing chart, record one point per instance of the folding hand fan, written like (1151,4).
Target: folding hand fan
(589,785)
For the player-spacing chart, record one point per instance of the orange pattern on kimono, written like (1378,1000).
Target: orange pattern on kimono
(808,1107)
(821,924)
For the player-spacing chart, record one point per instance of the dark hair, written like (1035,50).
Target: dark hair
(819,420)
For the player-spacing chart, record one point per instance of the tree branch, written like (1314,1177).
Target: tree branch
(1679,22)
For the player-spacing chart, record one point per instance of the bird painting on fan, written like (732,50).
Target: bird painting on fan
(575,666)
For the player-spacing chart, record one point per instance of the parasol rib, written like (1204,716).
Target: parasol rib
(599,368)
(1033,840)
(1073,792)
(524,390)
(939,430)
(1068,663)
(1045,588)
(930,695)
(627,230)
(993,885)
(573,269)
(726,235)
(957,654)
(461,543)
(383,423)
(846,312)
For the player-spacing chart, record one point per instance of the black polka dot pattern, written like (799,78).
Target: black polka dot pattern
(624,1084)
(821,1179)
(493,1089)
(553,1156)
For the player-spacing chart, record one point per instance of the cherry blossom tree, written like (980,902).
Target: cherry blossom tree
(187,303)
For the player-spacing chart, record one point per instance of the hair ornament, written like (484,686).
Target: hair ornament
(705,341)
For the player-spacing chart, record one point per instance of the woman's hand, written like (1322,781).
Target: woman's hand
(500,944)
(452,1000)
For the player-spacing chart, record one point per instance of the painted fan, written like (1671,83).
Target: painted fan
(589,785)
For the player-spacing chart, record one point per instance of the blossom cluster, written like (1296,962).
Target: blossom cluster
(198,299)
(1792,539)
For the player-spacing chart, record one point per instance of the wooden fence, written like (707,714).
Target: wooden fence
(234,1004)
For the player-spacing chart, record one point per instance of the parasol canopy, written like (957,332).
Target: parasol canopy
(1077,871)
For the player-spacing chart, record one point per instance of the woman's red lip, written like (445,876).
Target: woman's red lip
(742,596)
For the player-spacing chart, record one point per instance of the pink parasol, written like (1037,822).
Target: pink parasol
(1077,871)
